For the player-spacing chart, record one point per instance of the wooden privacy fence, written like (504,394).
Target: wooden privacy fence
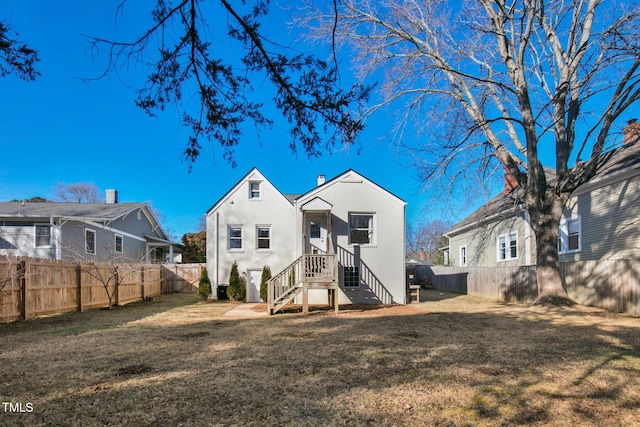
(613,285)
(32,287)
(181,277)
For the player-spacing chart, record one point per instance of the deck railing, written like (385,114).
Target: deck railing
(308,269)
(320,268)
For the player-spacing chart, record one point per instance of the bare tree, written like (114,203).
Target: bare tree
(499,83)
(16,57)
(426,240)
(109,267)
(182,50)
(12,273)
(81,192)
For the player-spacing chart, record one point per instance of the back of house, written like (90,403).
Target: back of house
(349,216)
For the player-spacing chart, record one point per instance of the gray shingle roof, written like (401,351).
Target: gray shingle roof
(65,209)
(610,162)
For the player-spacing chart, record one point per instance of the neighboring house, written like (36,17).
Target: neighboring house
(126,232)
(348,218)
(601,219)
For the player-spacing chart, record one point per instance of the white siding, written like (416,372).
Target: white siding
(383,273)
(238,208)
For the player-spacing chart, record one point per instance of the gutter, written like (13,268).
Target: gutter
(519,208)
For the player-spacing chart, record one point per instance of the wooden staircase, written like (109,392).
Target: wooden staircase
(312,271)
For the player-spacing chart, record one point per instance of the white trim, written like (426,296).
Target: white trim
(527,238)
(270,238)
(373,240)
(35,234)
(462,263)
(505,214)
(507,249)
(607,179)
(115,243)
(95,243)
(259,183)
(351,177)
(563,235)
(253,175)
(114,230)
(235,226)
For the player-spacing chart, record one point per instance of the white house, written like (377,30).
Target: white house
(349,219)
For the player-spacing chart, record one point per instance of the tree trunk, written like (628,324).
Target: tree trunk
(545,224)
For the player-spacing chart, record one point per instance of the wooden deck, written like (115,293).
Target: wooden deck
(311,271)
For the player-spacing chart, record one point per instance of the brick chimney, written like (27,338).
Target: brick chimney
(510,182)
(631,131)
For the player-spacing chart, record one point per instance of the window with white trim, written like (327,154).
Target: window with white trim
(254,189)
(263,236)
(463,256)
(362,229)
(89,241)
(570,235)
(507,245)
(118,243)
(235,237)
(43,235)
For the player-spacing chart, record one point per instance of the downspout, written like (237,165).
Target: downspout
(217,253)
(56,238)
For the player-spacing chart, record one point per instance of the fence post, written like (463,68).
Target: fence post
(22,279)
(116,285)
(79,283)
(175,278)
(142,279)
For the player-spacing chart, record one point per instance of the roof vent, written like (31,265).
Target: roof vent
(112,196)
(321,180)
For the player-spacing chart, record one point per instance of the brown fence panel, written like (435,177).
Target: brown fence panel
(32,287)
(50,288)
(10,289)
(152,280)
(130,288)
(95,279)
(181,277)
(613,285)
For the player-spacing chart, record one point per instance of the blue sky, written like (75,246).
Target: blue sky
(63,128)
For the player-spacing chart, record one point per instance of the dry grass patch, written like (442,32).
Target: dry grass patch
(448,361)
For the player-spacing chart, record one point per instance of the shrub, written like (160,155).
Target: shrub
(266,275)
(204,285)
(236,290)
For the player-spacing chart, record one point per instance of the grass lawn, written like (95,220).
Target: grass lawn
(448,361)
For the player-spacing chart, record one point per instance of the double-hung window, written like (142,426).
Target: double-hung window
(118,243)
(43,235)
(89,241)
(235,237)
(569,235)
(463,256)
(263,235)
(362,229)
(508,246)
(254,189)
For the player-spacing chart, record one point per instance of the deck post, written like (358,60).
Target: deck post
(305,298)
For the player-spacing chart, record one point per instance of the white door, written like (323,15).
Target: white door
(253,287)
(317,232)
